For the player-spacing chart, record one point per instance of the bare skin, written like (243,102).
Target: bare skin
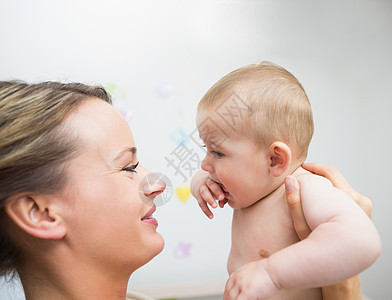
(85,241)
(349,289)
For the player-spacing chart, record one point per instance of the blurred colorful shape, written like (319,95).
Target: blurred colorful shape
(183,250)
(183,192)
(179,136)
(163,90)
(115,91)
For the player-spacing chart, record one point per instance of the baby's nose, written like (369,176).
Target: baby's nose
(206,165)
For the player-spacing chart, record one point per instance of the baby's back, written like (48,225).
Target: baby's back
(262,229)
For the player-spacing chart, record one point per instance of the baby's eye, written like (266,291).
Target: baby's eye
(131,168)
(217,153)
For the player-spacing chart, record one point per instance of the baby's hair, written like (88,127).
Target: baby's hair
(278,107)
(35,146)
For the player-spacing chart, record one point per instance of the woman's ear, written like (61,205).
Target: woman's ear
(34,214)
(280,158)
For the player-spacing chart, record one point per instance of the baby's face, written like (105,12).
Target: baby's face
(234,161)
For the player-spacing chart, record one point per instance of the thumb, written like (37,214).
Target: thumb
(293,198)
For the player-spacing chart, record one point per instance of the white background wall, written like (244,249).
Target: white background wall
(159,57)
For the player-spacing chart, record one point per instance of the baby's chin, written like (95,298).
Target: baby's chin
(236,204)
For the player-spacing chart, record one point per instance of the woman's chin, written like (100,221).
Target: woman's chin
(157,245)
(152,249)
(162,244)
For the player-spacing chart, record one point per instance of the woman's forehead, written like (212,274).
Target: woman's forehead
(100,126)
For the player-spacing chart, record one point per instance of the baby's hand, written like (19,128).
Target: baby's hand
(205,190)
(251,281)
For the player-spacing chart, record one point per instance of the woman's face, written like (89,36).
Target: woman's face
(108,219)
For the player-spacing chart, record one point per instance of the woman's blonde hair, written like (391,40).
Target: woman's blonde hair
(34,145)
(277,107)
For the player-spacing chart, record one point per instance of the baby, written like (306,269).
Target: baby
(256,123)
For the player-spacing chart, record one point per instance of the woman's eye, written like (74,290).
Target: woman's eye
(217,153)
(131,168)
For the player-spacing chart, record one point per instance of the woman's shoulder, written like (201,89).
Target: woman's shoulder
(137,296)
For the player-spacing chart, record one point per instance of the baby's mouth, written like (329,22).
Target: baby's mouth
(226,193)
(223,188)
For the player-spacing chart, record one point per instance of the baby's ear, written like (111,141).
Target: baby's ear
(280,158)
(36,215)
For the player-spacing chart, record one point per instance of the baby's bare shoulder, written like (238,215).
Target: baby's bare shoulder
(307,179)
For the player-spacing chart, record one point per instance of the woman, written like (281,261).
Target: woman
(73,225)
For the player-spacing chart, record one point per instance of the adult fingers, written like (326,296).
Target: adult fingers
(293,198)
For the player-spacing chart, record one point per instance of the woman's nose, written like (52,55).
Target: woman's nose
(151,185)
(154,185)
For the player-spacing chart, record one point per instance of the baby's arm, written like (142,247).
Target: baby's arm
(349,289)
(343,243)
(338,180)
(339,227)
(206,191)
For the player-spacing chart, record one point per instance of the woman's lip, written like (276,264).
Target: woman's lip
(151,221)
(150,212)
(148,219)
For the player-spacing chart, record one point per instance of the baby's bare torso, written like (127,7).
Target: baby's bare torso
(262,229)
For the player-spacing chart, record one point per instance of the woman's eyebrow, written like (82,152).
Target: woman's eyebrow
(133,150)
